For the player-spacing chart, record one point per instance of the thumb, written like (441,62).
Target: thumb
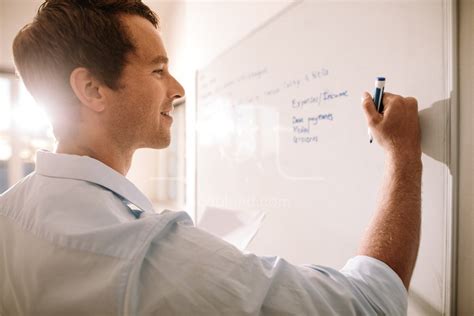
(373,117)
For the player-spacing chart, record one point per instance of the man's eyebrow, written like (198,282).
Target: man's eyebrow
(160,60)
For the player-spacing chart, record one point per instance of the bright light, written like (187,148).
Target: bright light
(28,115)
(30,118)
(216,124)
(5,150)
(4,104)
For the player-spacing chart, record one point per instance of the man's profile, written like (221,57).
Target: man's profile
(78,238)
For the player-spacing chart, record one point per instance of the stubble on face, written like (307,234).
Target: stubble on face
(135,120)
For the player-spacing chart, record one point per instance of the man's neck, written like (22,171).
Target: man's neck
(114,157)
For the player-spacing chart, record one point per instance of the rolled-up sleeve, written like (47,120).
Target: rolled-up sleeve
(380,285)
(187,271)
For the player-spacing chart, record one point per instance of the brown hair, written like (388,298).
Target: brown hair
(66,34)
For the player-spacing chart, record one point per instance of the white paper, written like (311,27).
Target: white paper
(234,226)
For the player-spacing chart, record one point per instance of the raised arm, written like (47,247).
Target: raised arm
(393,235)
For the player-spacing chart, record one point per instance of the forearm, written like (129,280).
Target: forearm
(393,235)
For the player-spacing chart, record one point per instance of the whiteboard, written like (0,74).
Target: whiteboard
(280,129)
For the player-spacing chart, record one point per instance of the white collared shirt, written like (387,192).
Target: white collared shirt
(72,243)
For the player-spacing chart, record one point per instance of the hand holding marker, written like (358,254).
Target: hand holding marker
(378,96)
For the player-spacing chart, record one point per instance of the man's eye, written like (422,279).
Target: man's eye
(158,71)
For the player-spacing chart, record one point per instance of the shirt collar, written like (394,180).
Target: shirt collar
(88,169)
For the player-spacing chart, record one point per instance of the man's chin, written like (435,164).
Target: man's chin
(156,142)
(162,144)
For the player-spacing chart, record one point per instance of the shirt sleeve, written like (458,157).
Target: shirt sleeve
(187,271)
(378,282)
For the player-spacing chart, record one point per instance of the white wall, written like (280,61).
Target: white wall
(14,14)
(465,289)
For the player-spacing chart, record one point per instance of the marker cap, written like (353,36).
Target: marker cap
(380,82)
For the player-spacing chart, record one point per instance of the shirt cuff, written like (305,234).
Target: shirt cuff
(382,283)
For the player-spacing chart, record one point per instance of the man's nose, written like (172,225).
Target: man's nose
(177,90)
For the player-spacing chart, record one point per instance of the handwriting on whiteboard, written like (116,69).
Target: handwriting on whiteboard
(303,127)
(298,103)
(210,87)
(308,98)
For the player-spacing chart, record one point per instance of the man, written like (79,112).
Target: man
(77,238)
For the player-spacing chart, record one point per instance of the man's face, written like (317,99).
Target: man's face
(139,111)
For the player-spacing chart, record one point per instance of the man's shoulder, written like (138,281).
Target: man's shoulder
(37,188)
(16,193)
(43,198)
(72,213)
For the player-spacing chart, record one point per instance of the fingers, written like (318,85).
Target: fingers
(373,117)
(411,101)
(390,98)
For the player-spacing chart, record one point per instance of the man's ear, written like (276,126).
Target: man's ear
(87,89)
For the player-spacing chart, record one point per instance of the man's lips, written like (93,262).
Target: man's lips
(167,111)
(166,114)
